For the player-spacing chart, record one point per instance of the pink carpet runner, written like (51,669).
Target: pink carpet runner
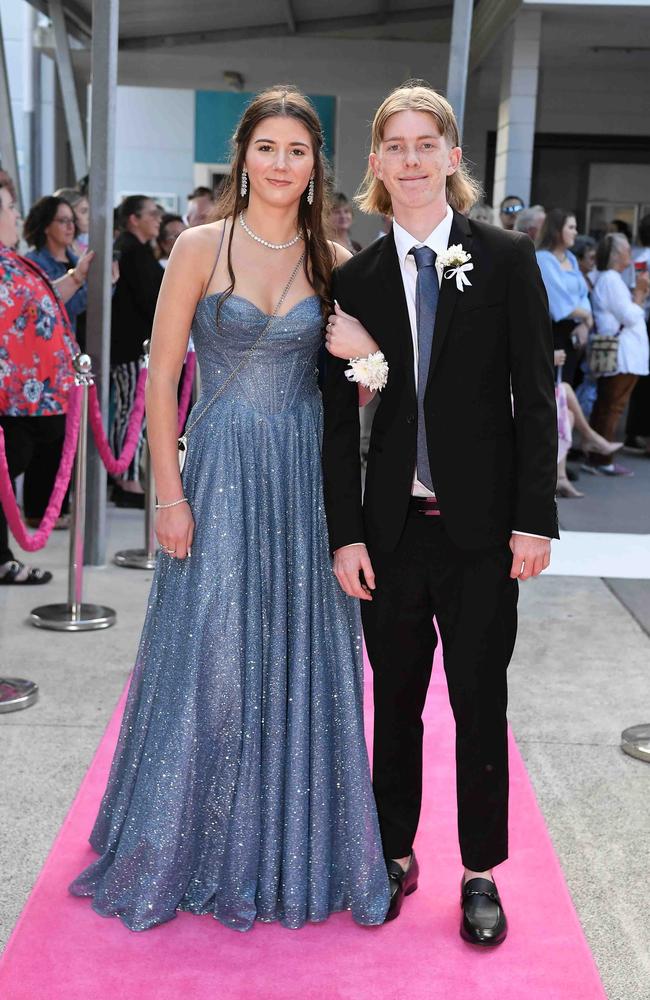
(61,949)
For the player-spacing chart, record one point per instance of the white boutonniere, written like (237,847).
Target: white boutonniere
(455,262)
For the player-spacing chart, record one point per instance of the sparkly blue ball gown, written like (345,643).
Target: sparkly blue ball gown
(240,786)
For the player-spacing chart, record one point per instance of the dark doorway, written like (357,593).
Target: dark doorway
(561,165)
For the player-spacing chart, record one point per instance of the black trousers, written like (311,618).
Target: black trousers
(562,341)
(638,414)
(475,604)
(32,445)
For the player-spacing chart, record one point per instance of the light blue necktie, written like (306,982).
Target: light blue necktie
(427,289)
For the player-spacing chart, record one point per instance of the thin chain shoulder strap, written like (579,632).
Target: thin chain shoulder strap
(236,370)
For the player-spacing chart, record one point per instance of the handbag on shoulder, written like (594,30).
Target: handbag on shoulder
(602,355)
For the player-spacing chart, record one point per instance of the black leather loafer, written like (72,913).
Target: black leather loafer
(484,921)
(402,883)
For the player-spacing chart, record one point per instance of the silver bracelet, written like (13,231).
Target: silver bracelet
(174,503)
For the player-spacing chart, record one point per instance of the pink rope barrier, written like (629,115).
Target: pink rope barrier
(186,390)
(117,466)
(28,541)
(32,542)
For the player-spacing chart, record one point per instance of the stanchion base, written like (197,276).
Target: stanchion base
(16,693)
(134,559)
(635,741)
(60,617)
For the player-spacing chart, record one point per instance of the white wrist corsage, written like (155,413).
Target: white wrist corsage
(371,372)
(454,262)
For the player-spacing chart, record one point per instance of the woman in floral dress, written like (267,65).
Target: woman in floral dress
(36,372)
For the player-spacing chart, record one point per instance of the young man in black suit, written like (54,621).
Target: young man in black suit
(459,496)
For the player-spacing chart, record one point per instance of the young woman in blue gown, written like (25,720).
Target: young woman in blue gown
(240,786)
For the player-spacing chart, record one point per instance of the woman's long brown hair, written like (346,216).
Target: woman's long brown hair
(285,102)
(550,235)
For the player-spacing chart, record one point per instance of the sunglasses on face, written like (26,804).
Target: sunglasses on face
(511,209)
(66,221)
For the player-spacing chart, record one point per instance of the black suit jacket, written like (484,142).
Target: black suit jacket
(134,301)
(492,472)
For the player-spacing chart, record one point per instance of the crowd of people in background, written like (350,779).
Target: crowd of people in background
(599,303)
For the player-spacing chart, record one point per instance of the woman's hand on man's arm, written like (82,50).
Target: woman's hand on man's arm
(346,337)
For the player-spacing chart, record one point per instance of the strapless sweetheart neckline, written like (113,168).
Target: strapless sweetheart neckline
(242,298)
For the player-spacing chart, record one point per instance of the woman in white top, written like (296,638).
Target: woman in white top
(617,312)
(637,430)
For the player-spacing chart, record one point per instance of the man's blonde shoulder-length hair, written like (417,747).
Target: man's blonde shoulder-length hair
(462,190)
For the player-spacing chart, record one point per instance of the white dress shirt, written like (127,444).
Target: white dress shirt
(438,241)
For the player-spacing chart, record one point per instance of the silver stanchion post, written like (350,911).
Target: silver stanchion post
(635,741)
(75,616)
(143,558)
(16,693)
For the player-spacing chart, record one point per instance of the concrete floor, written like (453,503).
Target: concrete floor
(581,674)
(622,499)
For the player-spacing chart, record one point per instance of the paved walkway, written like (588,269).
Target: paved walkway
(607,535)
(581,674)
(619,504)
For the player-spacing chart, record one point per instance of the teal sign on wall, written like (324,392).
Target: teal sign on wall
(217,114)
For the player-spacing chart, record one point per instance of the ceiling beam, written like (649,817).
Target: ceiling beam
(490,21)
(382,10)
(68,91)
(76,18)
(314,26)
(291,17)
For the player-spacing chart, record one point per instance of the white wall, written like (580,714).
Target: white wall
(154,141)
(12,19)
(622,182)
(154,134)
(18,19)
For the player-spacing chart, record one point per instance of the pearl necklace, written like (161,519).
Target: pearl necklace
(265,243)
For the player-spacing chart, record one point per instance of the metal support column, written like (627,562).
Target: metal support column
(101,193)
(8,153)
(68,90)
(31,92)
(461,32)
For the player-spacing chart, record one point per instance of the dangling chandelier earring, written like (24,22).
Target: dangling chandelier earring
(244,182)
(310,192)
